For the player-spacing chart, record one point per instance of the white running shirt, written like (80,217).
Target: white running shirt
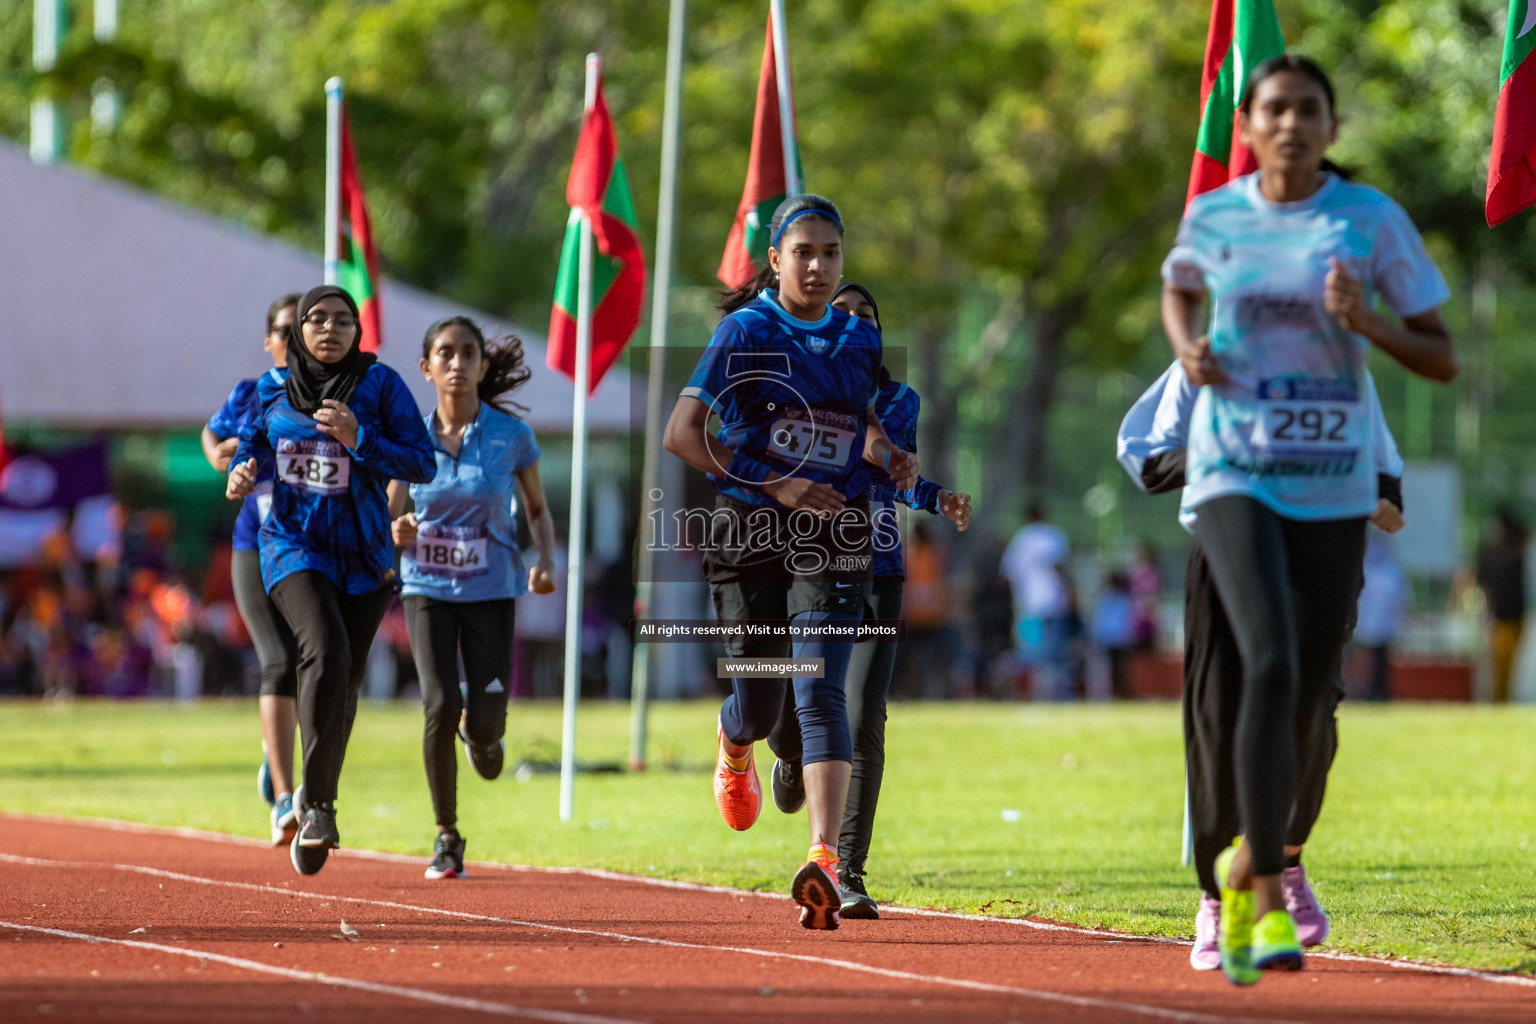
(1292,427)
(1159,422)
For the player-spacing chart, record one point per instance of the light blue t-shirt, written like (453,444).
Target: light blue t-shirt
(466,539)
(1292,428)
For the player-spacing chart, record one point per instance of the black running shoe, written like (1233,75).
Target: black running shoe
(487,759)
(317,828)
(856,902)
(788,786)
(447,856)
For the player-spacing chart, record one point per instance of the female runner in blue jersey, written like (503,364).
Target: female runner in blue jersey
(1281,463)
(794,382)
(270,635)
(338,430)
(461,566)
(869,670)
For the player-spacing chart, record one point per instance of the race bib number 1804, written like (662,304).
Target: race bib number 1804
(451,551)
(321,467)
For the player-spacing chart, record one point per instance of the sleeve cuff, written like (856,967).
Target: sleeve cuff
(745,469)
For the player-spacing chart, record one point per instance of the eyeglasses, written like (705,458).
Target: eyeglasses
(319,321)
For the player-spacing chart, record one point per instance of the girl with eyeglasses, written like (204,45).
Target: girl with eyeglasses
(337,431)
(270,635)
(461,567)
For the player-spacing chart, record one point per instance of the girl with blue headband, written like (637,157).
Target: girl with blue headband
(869,673)
(794,383)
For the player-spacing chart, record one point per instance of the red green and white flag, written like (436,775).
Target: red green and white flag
(1511,178)
(598,188)
(765,188)
(357,266)
(1243,33)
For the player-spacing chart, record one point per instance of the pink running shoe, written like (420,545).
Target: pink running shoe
(1206,955)
(1311,922)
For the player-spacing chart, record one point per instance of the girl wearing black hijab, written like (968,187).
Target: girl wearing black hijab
(337,430)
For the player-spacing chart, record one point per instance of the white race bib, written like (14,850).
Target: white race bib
(799,441)
(451,551)
(263,495)
(1309,417)
(320,467)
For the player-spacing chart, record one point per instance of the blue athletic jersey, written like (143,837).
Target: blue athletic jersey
(329,508)
(792,396)
(897,406)
(466,546)
(226,423)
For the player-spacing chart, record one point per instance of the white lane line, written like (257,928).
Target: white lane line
(113,824)
(1088,1002)
(375,988)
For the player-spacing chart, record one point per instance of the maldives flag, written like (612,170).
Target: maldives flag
(1511,180)
(357,267)
(598,188)
(765,188)
(1243,33)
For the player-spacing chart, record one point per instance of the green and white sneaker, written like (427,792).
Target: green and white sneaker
(1235,938)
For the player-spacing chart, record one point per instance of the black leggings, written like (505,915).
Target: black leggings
(276,650)
(1288,589)
(867,684)
(1213,689)
(440,630)
(333,630)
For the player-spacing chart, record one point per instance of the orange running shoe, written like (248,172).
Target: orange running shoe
(738,794)
(815,889)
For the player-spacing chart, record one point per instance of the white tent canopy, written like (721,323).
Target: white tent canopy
(121,309)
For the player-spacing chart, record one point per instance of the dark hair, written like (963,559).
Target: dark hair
(503,355)
(874,307)
(821,208)
(1295,62)
(279,304)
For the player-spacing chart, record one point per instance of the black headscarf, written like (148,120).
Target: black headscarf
(849,286)
(311,382)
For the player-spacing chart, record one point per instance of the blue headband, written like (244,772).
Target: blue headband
(801,213)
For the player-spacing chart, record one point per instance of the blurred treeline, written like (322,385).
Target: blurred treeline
(1011,172)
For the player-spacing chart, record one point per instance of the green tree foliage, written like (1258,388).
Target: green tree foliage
(1011,170)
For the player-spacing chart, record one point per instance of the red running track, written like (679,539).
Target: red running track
(109,922)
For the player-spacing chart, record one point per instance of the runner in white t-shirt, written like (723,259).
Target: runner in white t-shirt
(1281,463)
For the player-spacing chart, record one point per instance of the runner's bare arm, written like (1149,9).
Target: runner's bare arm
(219,452)
(398,493)
(1183,309)
(1421,343)
(903,465)
(541,576)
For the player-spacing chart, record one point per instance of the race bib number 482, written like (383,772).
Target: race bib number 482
(321,467)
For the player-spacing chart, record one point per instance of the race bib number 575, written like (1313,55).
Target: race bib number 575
(321,467)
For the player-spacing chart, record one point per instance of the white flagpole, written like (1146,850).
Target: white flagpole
(47,132)
(333,93)
(651,495)
(577,532)
(786,104)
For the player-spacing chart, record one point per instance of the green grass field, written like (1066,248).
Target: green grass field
(1424,849)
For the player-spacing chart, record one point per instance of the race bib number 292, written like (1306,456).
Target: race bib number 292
(321,467)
